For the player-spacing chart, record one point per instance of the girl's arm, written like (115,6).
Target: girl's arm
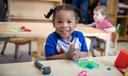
(71,54)
(112,29)
(59,56)
(92,24)
(89,25)
(67,55)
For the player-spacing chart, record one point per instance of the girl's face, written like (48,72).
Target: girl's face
(98,16)
(64,23)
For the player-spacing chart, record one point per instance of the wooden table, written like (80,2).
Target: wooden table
(40,31)
(60,68)
(93,32)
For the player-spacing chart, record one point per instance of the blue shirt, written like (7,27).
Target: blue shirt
(55,44)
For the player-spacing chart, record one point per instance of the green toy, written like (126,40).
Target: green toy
(14,30)
(87,64)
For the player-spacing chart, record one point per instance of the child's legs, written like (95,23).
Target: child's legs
(102,45)
(84,9)
(103,2)
(93,43)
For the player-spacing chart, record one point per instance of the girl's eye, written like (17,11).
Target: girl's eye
(59,21)
(69,21)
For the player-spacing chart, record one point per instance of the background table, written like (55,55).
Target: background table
(40,31)
(94,32)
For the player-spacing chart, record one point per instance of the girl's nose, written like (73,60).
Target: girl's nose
(65,24)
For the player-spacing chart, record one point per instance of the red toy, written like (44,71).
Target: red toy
(27,30)
(122,59)
(24,29)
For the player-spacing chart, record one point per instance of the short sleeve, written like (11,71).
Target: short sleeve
(50,48)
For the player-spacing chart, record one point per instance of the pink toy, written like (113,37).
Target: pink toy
(83,73)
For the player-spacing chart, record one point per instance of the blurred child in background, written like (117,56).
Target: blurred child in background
(101,22)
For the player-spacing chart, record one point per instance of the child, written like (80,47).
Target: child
(100,18)
(65,42)
(101,22)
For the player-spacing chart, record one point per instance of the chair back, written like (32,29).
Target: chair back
(114,39)
(88,42)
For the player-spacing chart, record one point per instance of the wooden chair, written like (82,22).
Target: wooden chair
(114,39)
(17,41)
(88,43)
(36,55)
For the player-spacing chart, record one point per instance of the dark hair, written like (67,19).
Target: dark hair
(63,7)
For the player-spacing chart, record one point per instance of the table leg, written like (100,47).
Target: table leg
(107,48)
(40,49)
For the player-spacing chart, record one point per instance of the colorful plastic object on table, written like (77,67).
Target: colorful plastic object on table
(88,64)
(24,29)
(27,30)
(122,59)
(83,73)
(14,30)
(108,68)
(126,74)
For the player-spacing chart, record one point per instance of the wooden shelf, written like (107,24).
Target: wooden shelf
(122,16)
(57,1)
(123,38)
(119,19)
(30,10)
(30,20)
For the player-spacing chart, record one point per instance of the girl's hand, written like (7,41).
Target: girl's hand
(71,51)
(79,54)
(73,54)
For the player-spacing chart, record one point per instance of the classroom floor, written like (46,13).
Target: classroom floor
(23,52)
